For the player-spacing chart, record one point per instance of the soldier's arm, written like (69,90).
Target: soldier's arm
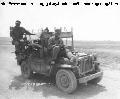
(27,32)
(61,44)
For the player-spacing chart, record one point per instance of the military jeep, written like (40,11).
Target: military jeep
(36,59)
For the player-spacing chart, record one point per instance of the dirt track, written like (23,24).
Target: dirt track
(13,86)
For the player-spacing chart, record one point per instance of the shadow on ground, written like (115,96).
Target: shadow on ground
(39,83)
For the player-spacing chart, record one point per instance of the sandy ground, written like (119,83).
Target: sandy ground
(13,86)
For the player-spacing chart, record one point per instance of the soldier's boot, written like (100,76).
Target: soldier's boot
(71,57)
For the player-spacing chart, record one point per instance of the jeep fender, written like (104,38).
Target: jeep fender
(65,66)
(74,69)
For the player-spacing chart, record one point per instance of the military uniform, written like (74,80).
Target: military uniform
(17,33)
(54,45)
(44,37)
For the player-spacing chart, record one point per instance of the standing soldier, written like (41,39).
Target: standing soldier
(44,37)
(17,33)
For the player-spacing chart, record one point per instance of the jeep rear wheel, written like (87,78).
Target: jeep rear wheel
(66,81)
(25,70)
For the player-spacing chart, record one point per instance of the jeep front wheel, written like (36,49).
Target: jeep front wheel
(25,70)
(66,81)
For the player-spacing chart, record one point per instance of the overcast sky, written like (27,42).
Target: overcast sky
(88,22)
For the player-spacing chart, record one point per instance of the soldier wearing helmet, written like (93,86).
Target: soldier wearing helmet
(44,37)
(54,44)
(17,33)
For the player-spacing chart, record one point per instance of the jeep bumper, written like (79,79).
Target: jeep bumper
(90,77)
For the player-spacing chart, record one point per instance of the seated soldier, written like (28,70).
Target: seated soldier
(44,37)
(57,49)
(54,45)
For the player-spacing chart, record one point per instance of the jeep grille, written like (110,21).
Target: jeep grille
(85,64)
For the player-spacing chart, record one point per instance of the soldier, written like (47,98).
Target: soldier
(17,33)
(54,45)
(47,30)
(44,37)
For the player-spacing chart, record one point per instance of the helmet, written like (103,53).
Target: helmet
(57,31)
(46,29)
(17,21)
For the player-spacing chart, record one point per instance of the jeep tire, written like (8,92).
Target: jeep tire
(66,81)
